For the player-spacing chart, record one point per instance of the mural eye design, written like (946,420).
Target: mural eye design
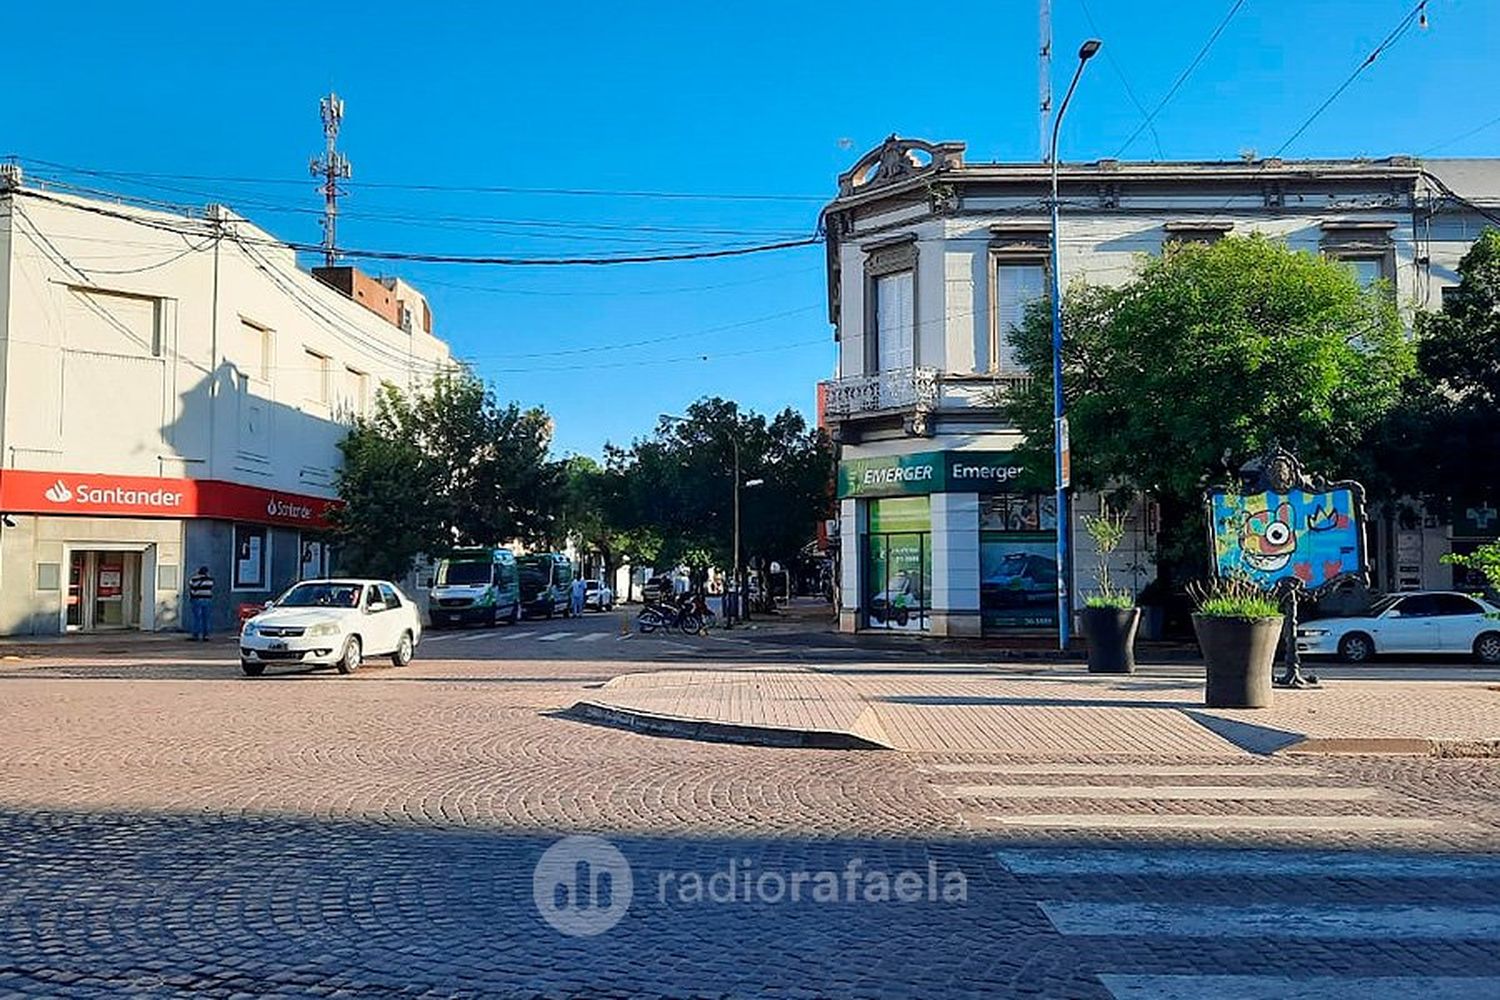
(1278,533)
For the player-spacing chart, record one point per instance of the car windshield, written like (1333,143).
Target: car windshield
(321,595)
(1381,606)
(464,574)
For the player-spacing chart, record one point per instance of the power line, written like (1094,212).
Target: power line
(1419,11)
(1182,77)
(454,188)
(1459,138)
(1124,82)
(444,258)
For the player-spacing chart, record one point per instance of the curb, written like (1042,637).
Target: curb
(1409,746)
(717,732)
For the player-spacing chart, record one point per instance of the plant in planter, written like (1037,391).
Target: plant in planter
(1110,617)
(1238,626)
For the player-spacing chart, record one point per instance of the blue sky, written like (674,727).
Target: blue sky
(771,99)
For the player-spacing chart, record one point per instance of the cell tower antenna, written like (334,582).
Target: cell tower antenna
(332,167)
(1044,76)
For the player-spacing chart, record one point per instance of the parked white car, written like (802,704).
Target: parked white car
(1427,622)
(598,596)
(334,623)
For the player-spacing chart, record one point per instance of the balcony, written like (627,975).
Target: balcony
(917,391)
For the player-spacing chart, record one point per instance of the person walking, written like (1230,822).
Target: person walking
(580,594)
(201,602)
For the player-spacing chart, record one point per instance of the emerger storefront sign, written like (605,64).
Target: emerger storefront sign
(929,472)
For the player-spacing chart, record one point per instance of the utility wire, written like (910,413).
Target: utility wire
(1182,77)
(1124,81)
(1459,138)
(1391,39)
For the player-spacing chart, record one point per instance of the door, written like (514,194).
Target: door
(1459,621)
(379,624)
(1411,626)
(104,591)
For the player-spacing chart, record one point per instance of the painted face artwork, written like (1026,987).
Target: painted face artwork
(1269,537)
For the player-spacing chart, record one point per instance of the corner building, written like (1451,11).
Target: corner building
(174,388)
(932,262)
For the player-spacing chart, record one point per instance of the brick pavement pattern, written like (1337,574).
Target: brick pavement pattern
(168,828)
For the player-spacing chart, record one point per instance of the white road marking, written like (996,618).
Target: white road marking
(1274,920)
(593,637)
(1297,988)
(480,637)
(553,636)
(1154,821)
(1226,793)
(1206,862)
(1130,770)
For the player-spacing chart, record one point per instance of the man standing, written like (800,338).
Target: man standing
(580,593)
(201,601)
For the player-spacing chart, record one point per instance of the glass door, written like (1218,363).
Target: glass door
(77,575)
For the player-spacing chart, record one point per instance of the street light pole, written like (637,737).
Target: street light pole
(739,587)
(1059,403)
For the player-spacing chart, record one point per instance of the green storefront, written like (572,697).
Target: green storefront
(946,542)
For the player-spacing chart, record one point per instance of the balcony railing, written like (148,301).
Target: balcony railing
(919,390)
(897,389)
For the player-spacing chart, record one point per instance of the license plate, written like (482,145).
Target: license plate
(276,644)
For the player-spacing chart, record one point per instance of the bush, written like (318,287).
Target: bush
(1233,597)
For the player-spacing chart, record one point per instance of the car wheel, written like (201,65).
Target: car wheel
(1356,647)
(353,655)
(402,656)
(251,668)
(1487,648)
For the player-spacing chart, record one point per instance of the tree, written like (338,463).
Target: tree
(1439,443)
(595,517)
(678,485)
(1208,356)
(443,467)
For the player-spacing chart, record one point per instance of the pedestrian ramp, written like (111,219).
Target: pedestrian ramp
(1259,924)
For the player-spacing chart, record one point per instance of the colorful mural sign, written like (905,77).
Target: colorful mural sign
(1299,538)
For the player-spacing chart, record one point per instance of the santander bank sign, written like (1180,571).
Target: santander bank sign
(26,492)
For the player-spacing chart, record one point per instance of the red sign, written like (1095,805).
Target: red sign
(82,493)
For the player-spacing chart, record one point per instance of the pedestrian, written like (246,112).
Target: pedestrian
(201,602)
(580,592)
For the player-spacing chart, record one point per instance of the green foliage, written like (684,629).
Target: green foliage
(442,467)
(677,488)
(1232,597)
(1431,445)
(1485,560)
(1107,530)
(1121,601)
(1212,353)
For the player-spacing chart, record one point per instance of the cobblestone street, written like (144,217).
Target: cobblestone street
(168,827)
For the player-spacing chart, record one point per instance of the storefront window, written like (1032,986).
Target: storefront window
(249,557)
(898,564)
(1018,561)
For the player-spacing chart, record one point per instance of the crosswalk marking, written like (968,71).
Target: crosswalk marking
(481,636)
(1137,987)
(1129,770)
(1157,821)
(553,636)
(1220,863)
(593,637)
(1258,920)
(1186,793)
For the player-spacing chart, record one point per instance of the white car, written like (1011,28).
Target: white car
(598,596)
(332,623)
(1428,622)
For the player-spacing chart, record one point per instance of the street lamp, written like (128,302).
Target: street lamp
(1059,405)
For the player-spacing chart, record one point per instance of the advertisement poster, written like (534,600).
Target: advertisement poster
(1316,538)
(248,569)
(899,581)
(1018,579)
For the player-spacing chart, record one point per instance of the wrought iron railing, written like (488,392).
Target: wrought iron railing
(897,389)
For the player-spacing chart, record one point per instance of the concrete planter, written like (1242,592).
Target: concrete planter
(1239,654)
(1111,638)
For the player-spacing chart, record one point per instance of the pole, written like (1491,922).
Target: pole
(1292,658)
(1059,403)
(738,585)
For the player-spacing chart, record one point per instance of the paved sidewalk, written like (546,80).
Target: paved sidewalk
(1061,709)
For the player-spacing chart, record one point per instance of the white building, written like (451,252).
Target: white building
(932,261)
(174,389)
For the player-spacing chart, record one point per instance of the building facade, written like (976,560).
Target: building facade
(932,262)
(173,390)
